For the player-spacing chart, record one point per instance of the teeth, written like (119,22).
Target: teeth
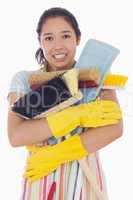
(58,56)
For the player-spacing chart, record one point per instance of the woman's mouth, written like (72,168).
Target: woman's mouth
(60,57)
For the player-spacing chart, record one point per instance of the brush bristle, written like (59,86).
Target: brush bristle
(71,80)
(112,80)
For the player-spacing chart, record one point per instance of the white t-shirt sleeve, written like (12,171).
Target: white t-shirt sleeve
(19,83)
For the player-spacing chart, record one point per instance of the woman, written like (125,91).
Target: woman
(59,36)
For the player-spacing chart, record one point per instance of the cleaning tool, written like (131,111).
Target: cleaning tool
(47,98)
(86,78)
(92,74)
(112,81)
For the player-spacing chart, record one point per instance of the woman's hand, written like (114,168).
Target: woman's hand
(50,158)
(97,138)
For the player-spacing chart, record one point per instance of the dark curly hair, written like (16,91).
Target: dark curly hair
(55,12)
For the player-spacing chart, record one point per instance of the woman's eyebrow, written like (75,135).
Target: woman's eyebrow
(50,33)
(65,31)
(45,34)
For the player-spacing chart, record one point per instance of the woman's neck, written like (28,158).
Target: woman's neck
(50,69)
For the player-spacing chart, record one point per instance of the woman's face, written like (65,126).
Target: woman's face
(58,42)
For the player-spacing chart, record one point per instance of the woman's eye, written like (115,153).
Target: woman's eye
(49,38)
(66,36)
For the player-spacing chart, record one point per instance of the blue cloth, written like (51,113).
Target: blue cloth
(97,54)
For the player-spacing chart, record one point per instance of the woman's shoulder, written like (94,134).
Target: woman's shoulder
(19,81)
(24,73)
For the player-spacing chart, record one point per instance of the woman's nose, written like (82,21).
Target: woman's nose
(58,44)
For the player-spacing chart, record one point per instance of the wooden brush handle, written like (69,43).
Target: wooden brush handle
(38,78)
(91,179)
(92,74)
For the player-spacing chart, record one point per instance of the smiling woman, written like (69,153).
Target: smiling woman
(58,43)
(59,35)
(55,173)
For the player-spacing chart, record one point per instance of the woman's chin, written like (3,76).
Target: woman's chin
(60,67)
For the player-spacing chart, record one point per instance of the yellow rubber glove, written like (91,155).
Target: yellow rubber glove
(101,113)
(94,114)
(47,160)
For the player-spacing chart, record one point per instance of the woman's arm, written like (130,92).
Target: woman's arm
(26,132)
(23,132)
(96,138)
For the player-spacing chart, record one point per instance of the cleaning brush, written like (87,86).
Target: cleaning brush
(113,81)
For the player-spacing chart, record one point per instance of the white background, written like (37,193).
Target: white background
(109,21)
